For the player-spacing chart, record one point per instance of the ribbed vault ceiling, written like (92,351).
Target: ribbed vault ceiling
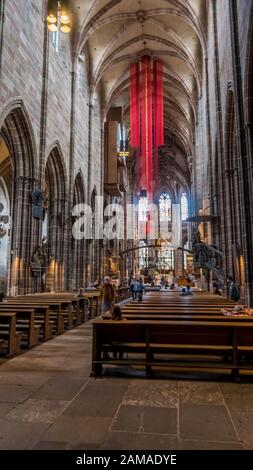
(115,33)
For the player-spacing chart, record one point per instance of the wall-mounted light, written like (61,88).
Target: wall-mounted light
(65,28)
(58,18)
(51,18)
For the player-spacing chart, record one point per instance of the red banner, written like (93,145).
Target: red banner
(158,116)
(146,126)
(135,105)
(158,104)
(147,121)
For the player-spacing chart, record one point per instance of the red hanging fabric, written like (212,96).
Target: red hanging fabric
(155,153)
(146,125)
(135,105)
(150,130)
(135,119)
(146,114)
(159,104)
(158,116)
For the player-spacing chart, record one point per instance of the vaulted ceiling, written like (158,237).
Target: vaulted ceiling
(115,33)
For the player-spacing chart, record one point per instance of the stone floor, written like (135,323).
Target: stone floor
(48,401)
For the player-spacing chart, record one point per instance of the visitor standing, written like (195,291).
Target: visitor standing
(140,289)
(107,295)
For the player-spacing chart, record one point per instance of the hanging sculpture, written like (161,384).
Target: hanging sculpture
(146,121)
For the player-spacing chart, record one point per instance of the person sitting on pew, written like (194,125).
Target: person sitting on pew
(81,297)
(2,296)
(183,291)
(188,290)
(117,315)
(96,284)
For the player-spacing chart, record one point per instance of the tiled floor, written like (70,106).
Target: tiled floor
(48,401)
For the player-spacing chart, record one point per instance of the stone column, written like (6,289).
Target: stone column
(25,236)
(243,158)
(57,245)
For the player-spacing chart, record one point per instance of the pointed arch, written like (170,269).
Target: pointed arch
(55,186)
(79,188)
(248,84)
(184,207)
(21,167)
(56,172)
(17,132)
(165,207)
(78,246)
(93,197)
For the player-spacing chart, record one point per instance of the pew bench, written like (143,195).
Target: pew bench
(173,345)
(53,306)
(71,309)
(182,316)
(9,337)
(42,318)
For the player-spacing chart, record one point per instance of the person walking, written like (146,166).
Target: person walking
(140,290)
(107,295)
(134,288)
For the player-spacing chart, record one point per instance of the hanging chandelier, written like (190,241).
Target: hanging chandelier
(59,16)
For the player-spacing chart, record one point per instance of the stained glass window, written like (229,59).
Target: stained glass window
(165,258)
(165,208)
(143,255)
(184,206)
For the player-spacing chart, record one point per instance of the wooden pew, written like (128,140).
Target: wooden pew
(94,304)
(181,317)
(60,311)
(25,324)
(183,302)
(198,345)
(42,319)
(171,311)
(54,310)
(10,338)
(70,310)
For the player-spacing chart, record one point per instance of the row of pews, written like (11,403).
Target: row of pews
(170,332)
(27,320)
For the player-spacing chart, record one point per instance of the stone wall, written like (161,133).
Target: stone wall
(55,94)
(230,154)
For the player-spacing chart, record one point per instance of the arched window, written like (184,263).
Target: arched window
(165,258)
(143,255)
(143,209)
(165,208)
(184,206)
(186,254)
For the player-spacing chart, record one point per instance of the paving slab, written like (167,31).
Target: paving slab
(206,422)
(17,435)
(97,399)
(200,393)
(189,444)
(61,387)
(77,429)
(139,441)
(38,411)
